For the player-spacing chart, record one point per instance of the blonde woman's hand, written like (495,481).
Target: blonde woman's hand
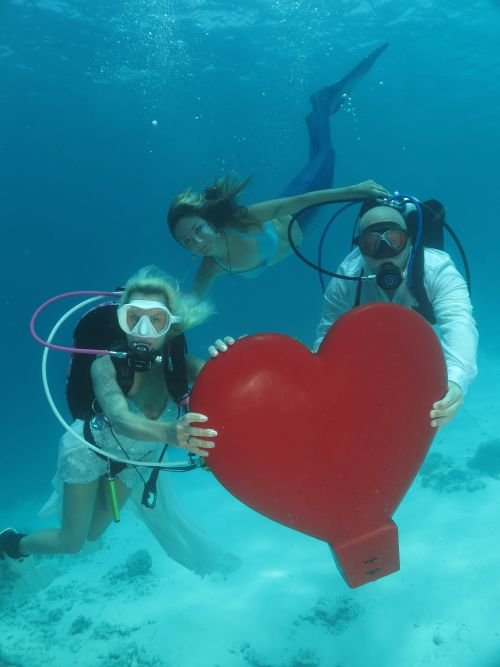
(220,345)
(183,434)
(370,189)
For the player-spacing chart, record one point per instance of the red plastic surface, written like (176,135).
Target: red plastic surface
(328,444)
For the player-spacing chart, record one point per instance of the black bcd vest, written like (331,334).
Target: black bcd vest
(99,329)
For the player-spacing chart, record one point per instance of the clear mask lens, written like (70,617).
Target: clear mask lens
(382,244)
(146,319)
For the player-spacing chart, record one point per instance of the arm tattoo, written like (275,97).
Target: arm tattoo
(107,390)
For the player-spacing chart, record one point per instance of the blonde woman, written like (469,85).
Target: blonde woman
(137,415)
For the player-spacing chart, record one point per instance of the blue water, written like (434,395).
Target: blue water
(87,176)
(110,109)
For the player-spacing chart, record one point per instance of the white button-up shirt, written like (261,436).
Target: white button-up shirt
(447,292)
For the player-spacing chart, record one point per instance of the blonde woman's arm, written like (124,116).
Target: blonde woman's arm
(114,405)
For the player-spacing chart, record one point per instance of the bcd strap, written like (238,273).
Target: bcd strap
(433,214)
(357,299)
(175,368)
(150,493)
(424,306)
(115,467)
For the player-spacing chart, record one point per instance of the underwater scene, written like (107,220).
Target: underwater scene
(228,182)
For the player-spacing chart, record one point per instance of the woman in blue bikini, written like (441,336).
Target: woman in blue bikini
(245,240)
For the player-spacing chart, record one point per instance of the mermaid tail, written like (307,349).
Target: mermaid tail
(319,171)
(329,99)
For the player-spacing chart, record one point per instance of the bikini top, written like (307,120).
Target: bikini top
(267,245)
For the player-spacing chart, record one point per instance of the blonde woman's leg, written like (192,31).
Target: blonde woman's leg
(77,512)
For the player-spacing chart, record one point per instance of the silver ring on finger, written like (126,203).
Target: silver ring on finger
(188,439)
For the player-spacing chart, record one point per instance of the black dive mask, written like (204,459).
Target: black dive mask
(382,240)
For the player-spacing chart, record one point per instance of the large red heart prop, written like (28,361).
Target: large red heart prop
(328,444)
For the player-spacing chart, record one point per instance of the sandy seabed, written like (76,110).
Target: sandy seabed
(128,605)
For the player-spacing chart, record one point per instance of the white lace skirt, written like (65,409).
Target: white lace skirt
(78,464)
(182,541)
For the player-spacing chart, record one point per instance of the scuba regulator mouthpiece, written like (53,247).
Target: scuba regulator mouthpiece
(389,276)
(141,358)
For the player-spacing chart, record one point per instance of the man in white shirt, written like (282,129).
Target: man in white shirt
(383,252)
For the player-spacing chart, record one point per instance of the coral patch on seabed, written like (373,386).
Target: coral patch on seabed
(445,475)
(303,658)
(138,564)
(287,605)
(440,473)
(336,616)
(486,460)
(71,622)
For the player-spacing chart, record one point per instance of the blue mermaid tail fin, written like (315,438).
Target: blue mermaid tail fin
(330,98)
(319,171)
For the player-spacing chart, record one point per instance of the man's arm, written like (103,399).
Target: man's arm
(452,307)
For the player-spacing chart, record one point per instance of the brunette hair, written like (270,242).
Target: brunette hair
(217,204)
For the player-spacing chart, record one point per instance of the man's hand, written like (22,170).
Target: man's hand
(444,410)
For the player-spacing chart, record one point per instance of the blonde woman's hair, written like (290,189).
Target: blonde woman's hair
(151,280)
(217,204)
